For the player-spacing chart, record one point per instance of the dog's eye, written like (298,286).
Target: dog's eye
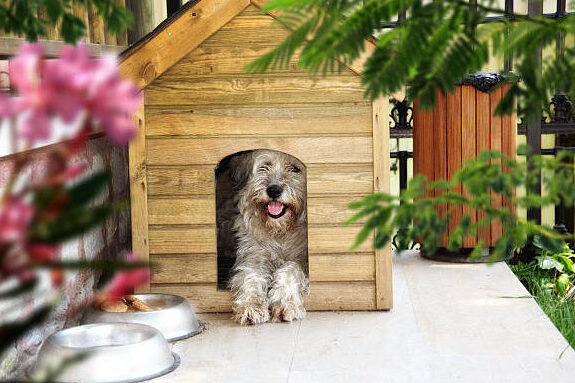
(294,169)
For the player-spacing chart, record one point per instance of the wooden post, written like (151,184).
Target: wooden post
(139,192)
(147,15)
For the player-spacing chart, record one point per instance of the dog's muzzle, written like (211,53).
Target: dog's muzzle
(276,209)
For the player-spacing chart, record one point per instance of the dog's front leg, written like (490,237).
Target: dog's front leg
(286,295)
(250,289)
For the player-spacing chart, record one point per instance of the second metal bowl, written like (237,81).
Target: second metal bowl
(105,353)
(172,315)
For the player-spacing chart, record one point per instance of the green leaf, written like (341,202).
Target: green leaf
(87,189)
(71,223)
(549,263)
(562,283)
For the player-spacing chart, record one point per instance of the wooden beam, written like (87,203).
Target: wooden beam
(139,192)
(381,183)
(9,46)
(176,37)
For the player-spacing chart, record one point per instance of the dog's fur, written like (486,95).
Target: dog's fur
(270,272)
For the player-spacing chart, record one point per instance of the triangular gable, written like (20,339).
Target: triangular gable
(178,35)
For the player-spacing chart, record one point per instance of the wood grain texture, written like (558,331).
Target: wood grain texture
(198,180)
(152,56)
(454,149)
(202,268)
(381,184)
(309,150)
(245,120)
(247,89)
(193,239)
(496,140)
(138,191)
(483,141)
(97,33)
(440,145)
(508,142)
(324,296)
(468,146)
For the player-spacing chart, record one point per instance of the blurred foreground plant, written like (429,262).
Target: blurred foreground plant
(38,214)
(22,17)
(414,215)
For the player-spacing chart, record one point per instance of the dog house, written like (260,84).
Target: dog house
(201,107)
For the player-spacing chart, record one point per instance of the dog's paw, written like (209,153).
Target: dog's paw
(251,314)
(287,312)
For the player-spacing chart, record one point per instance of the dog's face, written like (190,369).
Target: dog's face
(276,189)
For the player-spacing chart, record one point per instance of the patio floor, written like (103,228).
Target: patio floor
(450,323)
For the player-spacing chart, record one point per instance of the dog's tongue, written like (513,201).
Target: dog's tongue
(275,207)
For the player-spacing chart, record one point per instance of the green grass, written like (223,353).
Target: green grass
(561,313)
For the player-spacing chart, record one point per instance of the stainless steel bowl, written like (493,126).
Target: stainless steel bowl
(172,315)
(106,352)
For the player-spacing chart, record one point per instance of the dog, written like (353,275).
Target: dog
(270,227)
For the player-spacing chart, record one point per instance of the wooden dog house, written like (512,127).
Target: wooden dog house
(200,106)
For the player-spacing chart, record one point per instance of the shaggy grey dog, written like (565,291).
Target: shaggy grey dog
(270,271)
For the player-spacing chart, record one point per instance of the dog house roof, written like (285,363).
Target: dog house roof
(173,39)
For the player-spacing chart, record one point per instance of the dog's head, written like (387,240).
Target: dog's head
(275,190)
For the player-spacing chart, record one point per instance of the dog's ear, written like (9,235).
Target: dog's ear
(240,167)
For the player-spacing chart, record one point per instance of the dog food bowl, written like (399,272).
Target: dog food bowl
(105,353)
(172,315)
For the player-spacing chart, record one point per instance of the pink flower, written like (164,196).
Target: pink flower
(25,67)
(124,282)
(15,216)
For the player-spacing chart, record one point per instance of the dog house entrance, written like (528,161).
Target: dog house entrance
(267,190)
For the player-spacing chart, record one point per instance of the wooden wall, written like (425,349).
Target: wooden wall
(205,108)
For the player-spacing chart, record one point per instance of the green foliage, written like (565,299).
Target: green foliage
(557,258)
(414,215)
(560,311)
(434,48)
(21,17)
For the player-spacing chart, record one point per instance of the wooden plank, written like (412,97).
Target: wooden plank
(454,149)
(201,210)
(287,119)
(381,184)
(495,135)
(9,46)
(324,296)
(190,239)
(483,141)
(138,191)
(508,142)
(342,267)
(97,34)
(159,51)
(355,179)
(440,144)
(204,298)
(182,211)
(468,146)
(249,29)
(209,151)
(202,268)
(227,57)
(185,268)
(122,38)
(249,89)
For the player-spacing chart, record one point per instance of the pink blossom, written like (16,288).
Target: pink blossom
(67,86)
(15,216)
(124,282)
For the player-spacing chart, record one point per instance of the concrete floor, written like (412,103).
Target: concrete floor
(450,323)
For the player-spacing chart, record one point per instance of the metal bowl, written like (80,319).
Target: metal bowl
(172,315)
(106,352)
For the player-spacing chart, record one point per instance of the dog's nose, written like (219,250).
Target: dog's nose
(274,191)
